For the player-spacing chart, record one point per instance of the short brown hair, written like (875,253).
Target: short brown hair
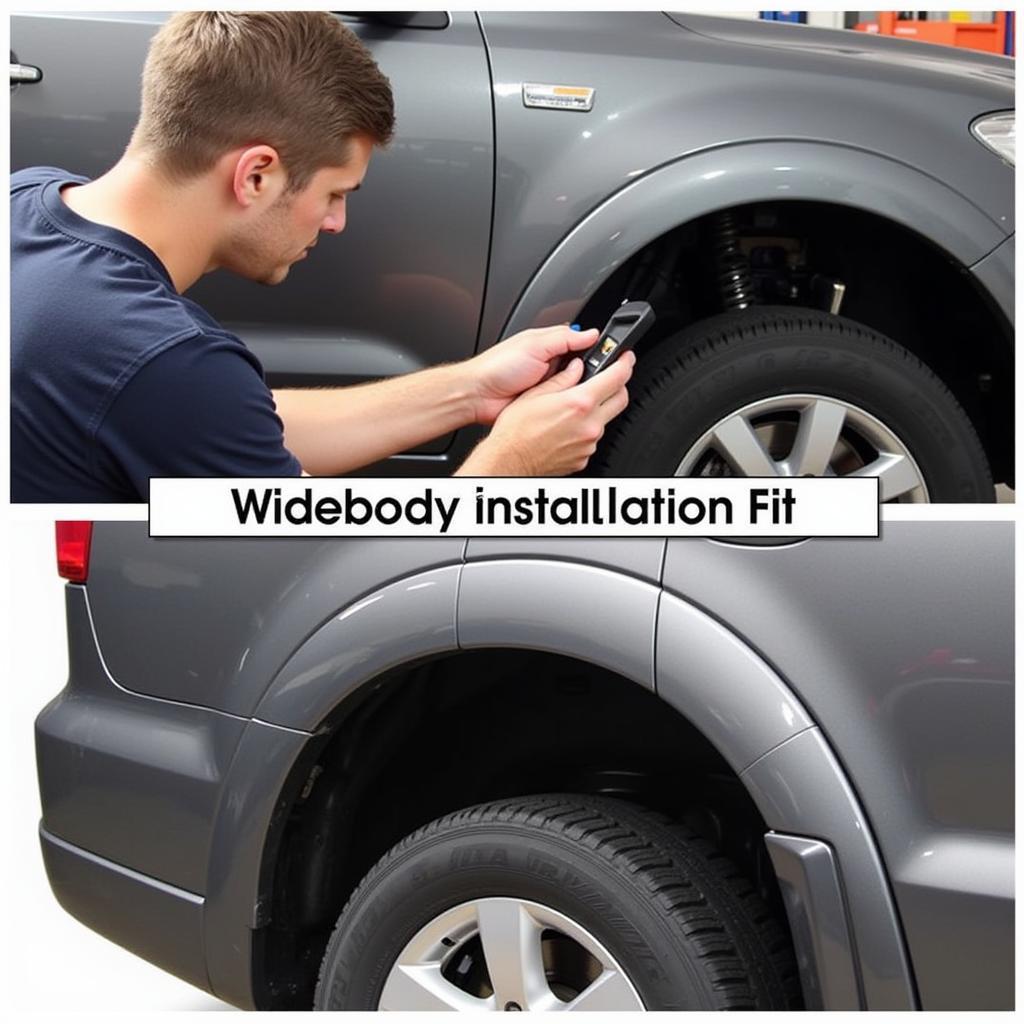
(299,81)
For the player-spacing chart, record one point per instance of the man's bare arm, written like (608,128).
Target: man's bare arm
(332,431)
(542,424)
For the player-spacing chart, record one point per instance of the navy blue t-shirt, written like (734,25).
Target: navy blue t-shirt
(115,377)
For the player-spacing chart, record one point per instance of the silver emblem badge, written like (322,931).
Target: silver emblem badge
(558,97)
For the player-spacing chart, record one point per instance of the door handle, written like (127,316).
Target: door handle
(24,74)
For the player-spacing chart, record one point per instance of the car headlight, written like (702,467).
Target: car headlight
(999,133)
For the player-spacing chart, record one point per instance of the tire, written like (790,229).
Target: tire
(622,894)
(769,367)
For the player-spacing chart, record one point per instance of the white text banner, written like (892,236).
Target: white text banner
(515,507)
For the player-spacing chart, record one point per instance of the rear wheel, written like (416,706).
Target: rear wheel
(779,391)
(558,902)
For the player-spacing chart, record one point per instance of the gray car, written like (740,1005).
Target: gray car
(506,774)
(823,221)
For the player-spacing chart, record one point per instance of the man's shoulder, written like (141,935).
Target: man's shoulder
(96,296)
(202,356)
(209,337)
(139,323)
(109,318)
(33,177)
(98,301)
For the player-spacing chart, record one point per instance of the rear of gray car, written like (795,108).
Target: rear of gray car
(248,727)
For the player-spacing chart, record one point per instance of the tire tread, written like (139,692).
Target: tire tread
(745,953)
(675,358)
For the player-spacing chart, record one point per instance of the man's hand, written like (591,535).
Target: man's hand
(335,430)
(517,364)
(553,429)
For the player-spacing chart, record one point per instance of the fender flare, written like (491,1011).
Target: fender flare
(605,617)
(751,716)
(692,186)
(407,619)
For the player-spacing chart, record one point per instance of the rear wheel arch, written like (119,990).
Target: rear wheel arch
(559,758)
(689,700)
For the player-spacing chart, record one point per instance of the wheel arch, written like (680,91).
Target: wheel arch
(729,176)
(905,245)
(722,687)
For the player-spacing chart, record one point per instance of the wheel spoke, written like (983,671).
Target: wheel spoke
(610,991)
(507,932)
(896,474)
(740,446)
(816,439)
(512,949)
(422,987)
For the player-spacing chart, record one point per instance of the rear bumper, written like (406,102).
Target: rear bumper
(130,787)
(156,921)
(133,779)
(156,815)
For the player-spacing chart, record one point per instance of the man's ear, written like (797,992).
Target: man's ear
(258,175)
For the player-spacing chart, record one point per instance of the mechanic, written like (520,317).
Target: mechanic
(254,130)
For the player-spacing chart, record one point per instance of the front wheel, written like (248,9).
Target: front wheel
(557,902)
(781,391)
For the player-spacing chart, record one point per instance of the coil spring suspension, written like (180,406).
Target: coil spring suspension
(734,281)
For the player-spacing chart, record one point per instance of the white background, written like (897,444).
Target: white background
(56,963)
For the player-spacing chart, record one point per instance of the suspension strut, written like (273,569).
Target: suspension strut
(734,281)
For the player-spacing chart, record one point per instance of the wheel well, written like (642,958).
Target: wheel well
(792,253)
(444,734)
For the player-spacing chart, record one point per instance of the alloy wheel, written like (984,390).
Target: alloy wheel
(806,435)
(506,954)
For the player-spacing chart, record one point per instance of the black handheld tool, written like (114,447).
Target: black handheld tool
(628,324)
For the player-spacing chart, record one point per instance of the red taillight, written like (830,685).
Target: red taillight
(73,539)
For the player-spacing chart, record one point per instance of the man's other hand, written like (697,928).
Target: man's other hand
(554,428)
(519,363)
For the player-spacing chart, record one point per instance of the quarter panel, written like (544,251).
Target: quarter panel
(211,622)
(901,649)
(961,879)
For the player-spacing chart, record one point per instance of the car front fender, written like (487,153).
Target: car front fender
(721,177)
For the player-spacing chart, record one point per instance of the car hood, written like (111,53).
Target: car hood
(880,51)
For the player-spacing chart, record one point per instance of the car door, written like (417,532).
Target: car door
(402,287)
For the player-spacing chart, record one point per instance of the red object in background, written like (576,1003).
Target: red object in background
(990,37)
(73,541)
